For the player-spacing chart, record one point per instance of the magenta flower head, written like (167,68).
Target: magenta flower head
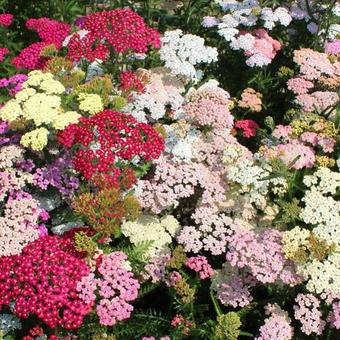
(80,22)
(6,19)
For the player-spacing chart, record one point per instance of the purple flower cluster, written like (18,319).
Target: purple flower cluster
(58,175)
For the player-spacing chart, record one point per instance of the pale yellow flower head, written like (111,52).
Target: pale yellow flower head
(36,139)
(91,103)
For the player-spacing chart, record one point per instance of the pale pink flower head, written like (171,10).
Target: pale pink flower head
(299,85)
(333,47)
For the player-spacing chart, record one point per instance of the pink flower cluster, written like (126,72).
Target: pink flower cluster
(316,71)
(233,291)
(29,57)
(209,107)
(276,326)
(261,254)
(156,269)
(297,151)
(42,281)
(318,100)
(200,265)
(333,47)
(264,49)
(116,287)
(14,83)
(295,154)
(19,223)
(334,315)
(6,19)
(175,180)
(308,313)
(313,64)
(211,234)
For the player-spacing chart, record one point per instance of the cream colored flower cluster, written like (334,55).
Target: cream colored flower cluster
(91,103)
(316,251)
(39,103)
(159,232)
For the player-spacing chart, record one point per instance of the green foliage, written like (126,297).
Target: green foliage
(142,323)
(136,254)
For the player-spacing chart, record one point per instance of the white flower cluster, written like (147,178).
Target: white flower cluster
(182,52)
(149,228)
(324,276)
(246,13)
(279,15)
(180,148)
(321,210)
(143,105)
(326,180)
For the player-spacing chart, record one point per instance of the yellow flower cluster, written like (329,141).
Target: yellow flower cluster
(91,103)
(36,139)
(39,102)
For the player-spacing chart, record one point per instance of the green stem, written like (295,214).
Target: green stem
(249,335)
(215,303)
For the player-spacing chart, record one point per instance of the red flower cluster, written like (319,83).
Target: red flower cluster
(107,138)
(123,30)
(86,47)
(248,127)
(49,30)
(29,57)
(42,280)
(6,19)
(3,52)
(130,82)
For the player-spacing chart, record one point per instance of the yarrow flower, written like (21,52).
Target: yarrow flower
(182,52)
(248,127)
(6,19)
(107,137)
(48,290)
(149,229)
(209,106)
(51,32)
(122,30)
(39,103)
(14,83)
(308,313)
(91,103)
(258,47)
(116,288)
(200,265)
(250,99)
(277,325)
(3,52)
